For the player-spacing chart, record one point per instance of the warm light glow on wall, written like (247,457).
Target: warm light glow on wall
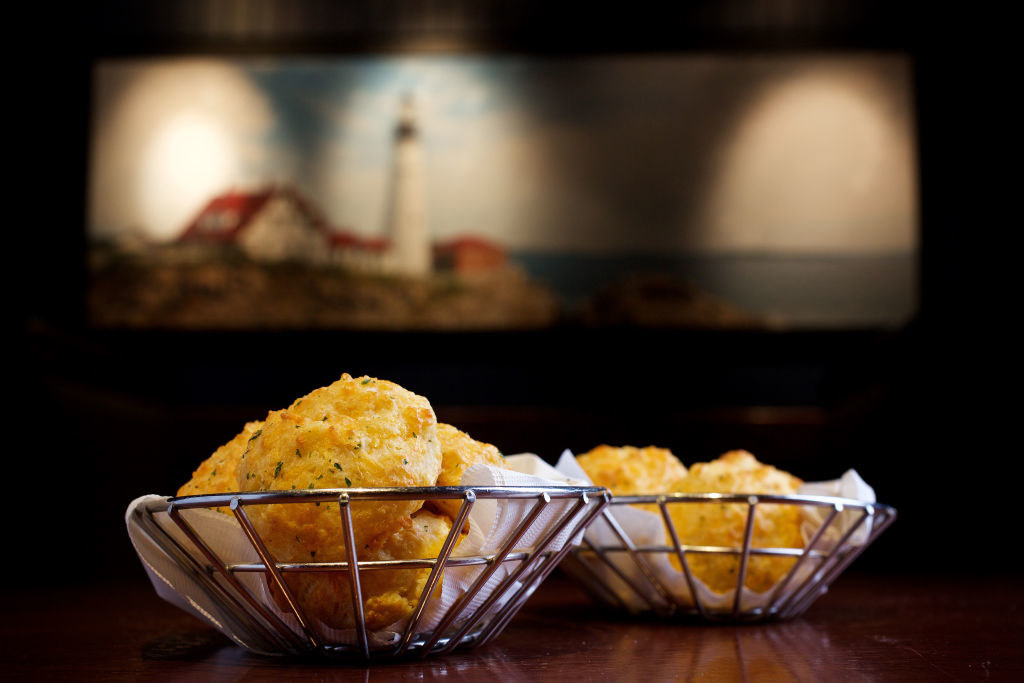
(175,135)
(817,164)
(189,157)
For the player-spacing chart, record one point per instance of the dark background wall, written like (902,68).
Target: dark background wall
(103,416)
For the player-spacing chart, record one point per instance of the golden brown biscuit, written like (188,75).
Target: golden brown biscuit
(459,451)
(723,524)
(388,595)
(216,474)
(628,470)
(357,432)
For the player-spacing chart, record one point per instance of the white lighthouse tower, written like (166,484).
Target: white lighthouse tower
(407,215)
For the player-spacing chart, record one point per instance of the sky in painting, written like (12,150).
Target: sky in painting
(706,153)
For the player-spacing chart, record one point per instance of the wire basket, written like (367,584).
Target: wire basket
(656,578)
(548,520)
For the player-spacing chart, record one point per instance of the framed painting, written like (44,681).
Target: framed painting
(497,192)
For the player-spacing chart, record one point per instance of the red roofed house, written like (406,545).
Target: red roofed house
(278,224)
(356,253)
(468,255)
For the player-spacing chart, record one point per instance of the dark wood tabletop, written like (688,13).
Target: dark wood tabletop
(866,628)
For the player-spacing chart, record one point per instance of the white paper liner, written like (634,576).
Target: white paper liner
(645,528)
(490,523)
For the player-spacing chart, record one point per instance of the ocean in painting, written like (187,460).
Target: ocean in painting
(789,292)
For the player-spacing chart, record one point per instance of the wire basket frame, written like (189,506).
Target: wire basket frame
(629,577)
(564,512)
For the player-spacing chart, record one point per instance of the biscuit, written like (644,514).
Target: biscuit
(724,524)
(389,595)
(459,451)
(357,432)
(628,470)
(216,474)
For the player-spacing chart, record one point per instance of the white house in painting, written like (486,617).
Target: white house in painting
(278,224)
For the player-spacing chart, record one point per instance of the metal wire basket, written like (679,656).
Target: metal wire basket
(640,580)
(548,519)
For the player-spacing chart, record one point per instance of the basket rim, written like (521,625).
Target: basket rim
(675,497)
(379,493)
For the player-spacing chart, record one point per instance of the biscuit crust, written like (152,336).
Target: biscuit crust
(460,451)
(216,474)
(628,470)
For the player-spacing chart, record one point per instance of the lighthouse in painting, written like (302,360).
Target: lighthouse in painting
(407,215)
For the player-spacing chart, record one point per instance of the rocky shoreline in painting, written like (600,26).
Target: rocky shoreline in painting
(244,295)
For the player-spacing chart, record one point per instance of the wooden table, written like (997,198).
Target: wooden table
(867,628)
